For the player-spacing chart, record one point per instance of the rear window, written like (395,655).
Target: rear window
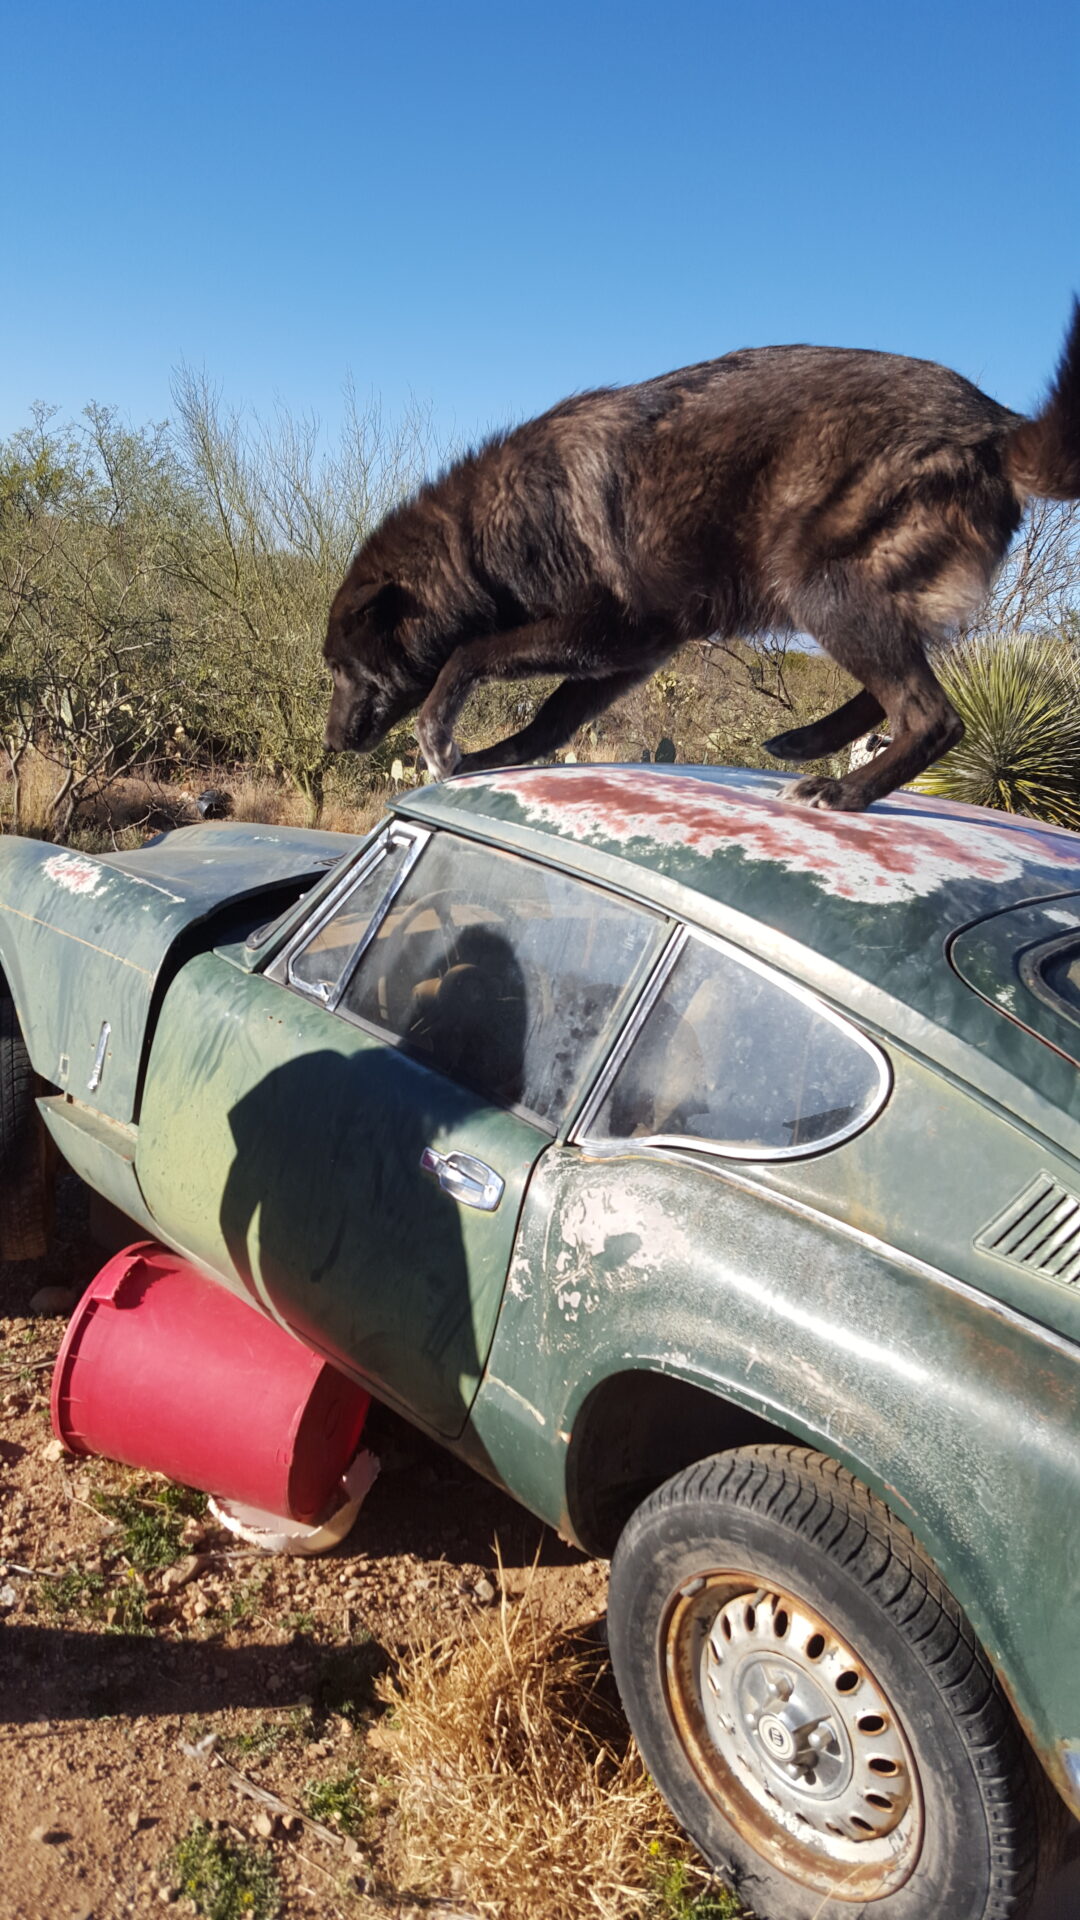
(1058,974)
(1026,962)
(732,1059)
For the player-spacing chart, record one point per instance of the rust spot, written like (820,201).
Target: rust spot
(1050,1757)
(891,854)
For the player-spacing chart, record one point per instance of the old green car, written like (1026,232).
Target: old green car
(703,1169)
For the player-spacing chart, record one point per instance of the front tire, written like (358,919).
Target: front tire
(812,1702)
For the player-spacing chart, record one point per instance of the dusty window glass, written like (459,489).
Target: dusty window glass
(318,967)
(729,1058)
(500,973)
(1060,972)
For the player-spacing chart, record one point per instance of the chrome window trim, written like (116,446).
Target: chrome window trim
(282,967)
(1030,967)
(605,1147)
(628,1033)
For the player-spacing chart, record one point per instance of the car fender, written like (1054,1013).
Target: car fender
(963,1416)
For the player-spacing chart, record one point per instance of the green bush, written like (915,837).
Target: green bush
(1019,699)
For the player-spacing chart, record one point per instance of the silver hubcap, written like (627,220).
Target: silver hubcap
(793,1719)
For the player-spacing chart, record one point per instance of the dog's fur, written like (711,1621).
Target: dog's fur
(859,497)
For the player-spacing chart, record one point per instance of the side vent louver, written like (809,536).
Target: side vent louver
(1040,1232)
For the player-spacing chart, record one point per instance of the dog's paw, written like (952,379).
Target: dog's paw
(784,746)
(442,755)
(832,796)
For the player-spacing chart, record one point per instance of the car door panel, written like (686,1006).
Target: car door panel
(281,1146)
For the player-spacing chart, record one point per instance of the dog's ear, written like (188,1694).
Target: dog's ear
(377,608)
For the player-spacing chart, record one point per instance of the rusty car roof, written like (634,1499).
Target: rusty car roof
(734,835)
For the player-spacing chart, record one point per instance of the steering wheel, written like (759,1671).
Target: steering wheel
(395,986)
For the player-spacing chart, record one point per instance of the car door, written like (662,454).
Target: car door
(348,1137)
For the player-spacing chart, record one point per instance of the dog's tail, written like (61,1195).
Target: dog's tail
(1043,455)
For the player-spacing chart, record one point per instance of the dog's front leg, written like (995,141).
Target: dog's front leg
(562,713)
(499,656)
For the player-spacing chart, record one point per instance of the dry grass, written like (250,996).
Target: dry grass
(270,802)
(129,809)
(517,1787)
(39,783)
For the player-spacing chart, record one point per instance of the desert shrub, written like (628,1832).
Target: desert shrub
(1019,699)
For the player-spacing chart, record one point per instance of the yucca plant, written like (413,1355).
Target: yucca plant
(1019,699)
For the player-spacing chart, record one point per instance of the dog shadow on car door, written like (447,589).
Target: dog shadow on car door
(331,1220)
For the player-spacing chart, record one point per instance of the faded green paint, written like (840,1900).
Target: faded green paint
(101,1151)
(82,938)
(957,1157)
(968,1426)
(281,1147)
(997,958)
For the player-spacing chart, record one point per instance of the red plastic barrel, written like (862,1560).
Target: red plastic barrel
(164,1369)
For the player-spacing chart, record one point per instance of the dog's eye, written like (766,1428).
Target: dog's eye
(353,619)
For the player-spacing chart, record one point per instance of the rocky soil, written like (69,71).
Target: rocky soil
(156,1680)
(148,1668)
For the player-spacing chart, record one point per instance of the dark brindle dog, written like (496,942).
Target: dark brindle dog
(859,497)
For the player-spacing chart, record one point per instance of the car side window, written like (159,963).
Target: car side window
(322,962)
(732,1059)
(502,973)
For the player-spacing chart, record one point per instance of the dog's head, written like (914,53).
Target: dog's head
(377,677)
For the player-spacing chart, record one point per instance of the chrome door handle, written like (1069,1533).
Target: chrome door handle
(465,1178)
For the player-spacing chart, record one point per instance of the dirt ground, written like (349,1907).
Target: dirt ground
(106,1668)
(143,1672)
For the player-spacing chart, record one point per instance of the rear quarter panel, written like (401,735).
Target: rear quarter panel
(965,1422)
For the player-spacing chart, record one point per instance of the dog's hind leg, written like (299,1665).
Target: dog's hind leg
(829,734)
(869,636)
(556,722)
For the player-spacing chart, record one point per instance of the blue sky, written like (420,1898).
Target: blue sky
(488,206)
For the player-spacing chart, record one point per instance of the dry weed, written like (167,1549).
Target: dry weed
(125,811)
(265,801)
(517,1786)
(38,785)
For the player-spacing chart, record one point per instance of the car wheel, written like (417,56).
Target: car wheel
(25,1185)
(813,1704)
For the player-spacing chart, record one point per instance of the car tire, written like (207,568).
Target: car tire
(25,1184)
(813,1704)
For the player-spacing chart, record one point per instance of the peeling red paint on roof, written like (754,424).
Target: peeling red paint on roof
(896,853)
